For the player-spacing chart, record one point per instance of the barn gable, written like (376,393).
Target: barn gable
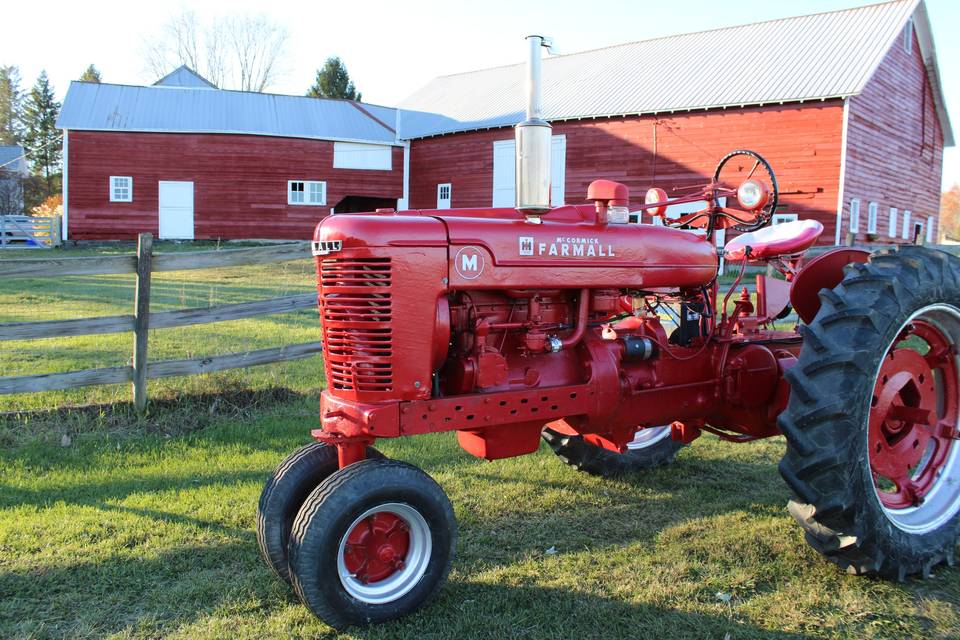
(184,77)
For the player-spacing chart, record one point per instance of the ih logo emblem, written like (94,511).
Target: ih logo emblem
(469,263)
(526,245)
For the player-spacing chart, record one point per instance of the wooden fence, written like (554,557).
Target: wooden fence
(143,264)
(29,232)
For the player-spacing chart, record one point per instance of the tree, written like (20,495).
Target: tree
(43,142)
(950,212)
(90,74)
(241,52)
(11,192)
(333,81)
(11,102)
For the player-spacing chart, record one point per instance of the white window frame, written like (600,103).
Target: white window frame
(908,36)
(893,222)
(444,203)
(781,218)
(872,210)
(116,194)
(931,221)
(855,215)
(308,193)
(907,228)
(364,157)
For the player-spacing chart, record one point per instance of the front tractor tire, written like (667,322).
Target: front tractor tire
(871,426)
(650,447)
(283,494)
(373,542)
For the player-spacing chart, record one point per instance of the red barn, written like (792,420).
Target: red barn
(846,106)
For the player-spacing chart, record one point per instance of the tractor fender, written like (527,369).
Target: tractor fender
(822,272)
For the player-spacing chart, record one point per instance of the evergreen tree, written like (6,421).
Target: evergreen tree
(44,144)
(333,81)
(11,102)
(91,74)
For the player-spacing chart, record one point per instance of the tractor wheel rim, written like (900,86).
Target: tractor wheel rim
(913,421)
(384,553)
(648,437)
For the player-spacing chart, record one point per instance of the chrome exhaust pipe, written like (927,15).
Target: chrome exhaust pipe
(533,137)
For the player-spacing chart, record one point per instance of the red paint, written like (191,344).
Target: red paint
(240,183)
(894,146)
(823,272)
(905,419)
(801,141)
(376,547)
(414,347)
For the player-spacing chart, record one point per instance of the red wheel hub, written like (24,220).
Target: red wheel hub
(376,547)
(913,415)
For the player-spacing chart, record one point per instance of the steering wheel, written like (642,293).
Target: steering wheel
(756,161)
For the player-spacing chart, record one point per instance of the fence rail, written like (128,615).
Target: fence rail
(29,232)
(144,264)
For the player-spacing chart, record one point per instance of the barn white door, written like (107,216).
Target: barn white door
(505,168)
(176,210)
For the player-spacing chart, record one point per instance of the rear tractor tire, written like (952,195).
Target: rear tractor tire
(650,447)
(872,454)
(283,494)
(373,542)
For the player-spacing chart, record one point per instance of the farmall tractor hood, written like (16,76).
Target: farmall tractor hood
(499,248)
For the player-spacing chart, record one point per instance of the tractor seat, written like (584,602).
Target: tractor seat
(788,238)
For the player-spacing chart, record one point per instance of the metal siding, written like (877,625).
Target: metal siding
(107,107)
(793,59)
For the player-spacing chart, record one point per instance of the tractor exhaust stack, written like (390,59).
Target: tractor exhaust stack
(533,142)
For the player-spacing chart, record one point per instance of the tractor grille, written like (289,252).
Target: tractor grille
(357,313)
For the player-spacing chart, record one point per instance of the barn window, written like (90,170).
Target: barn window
(930,222)
(350,155)
(781,218)
(444,192)
(854,215)
(306,192)
(121,189)
(906,225)
(908,36)
(872,217)
(893,222)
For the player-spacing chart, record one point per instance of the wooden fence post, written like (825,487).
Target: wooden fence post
(141,320)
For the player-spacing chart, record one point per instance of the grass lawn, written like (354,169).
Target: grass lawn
(143,527)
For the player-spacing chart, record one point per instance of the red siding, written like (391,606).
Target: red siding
(240,183)
(802,142)
(894,145)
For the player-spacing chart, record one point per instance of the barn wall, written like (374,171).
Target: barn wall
(240,183)
(894,145)
(802,142)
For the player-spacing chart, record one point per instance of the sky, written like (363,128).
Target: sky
(391,48)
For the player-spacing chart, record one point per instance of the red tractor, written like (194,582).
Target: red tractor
(614,342)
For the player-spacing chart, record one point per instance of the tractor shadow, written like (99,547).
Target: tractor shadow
(160,594)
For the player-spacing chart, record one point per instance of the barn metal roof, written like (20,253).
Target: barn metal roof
(825,55)
(113,107)
(184,76)
(12,159)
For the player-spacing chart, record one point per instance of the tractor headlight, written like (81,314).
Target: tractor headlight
(653,196)
(752,195)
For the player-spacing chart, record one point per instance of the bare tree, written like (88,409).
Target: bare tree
(257,46)
(238,52)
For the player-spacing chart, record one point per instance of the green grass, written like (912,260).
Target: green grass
(143,527)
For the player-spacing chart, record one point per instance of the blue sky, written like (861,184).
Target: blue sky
(392,47)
